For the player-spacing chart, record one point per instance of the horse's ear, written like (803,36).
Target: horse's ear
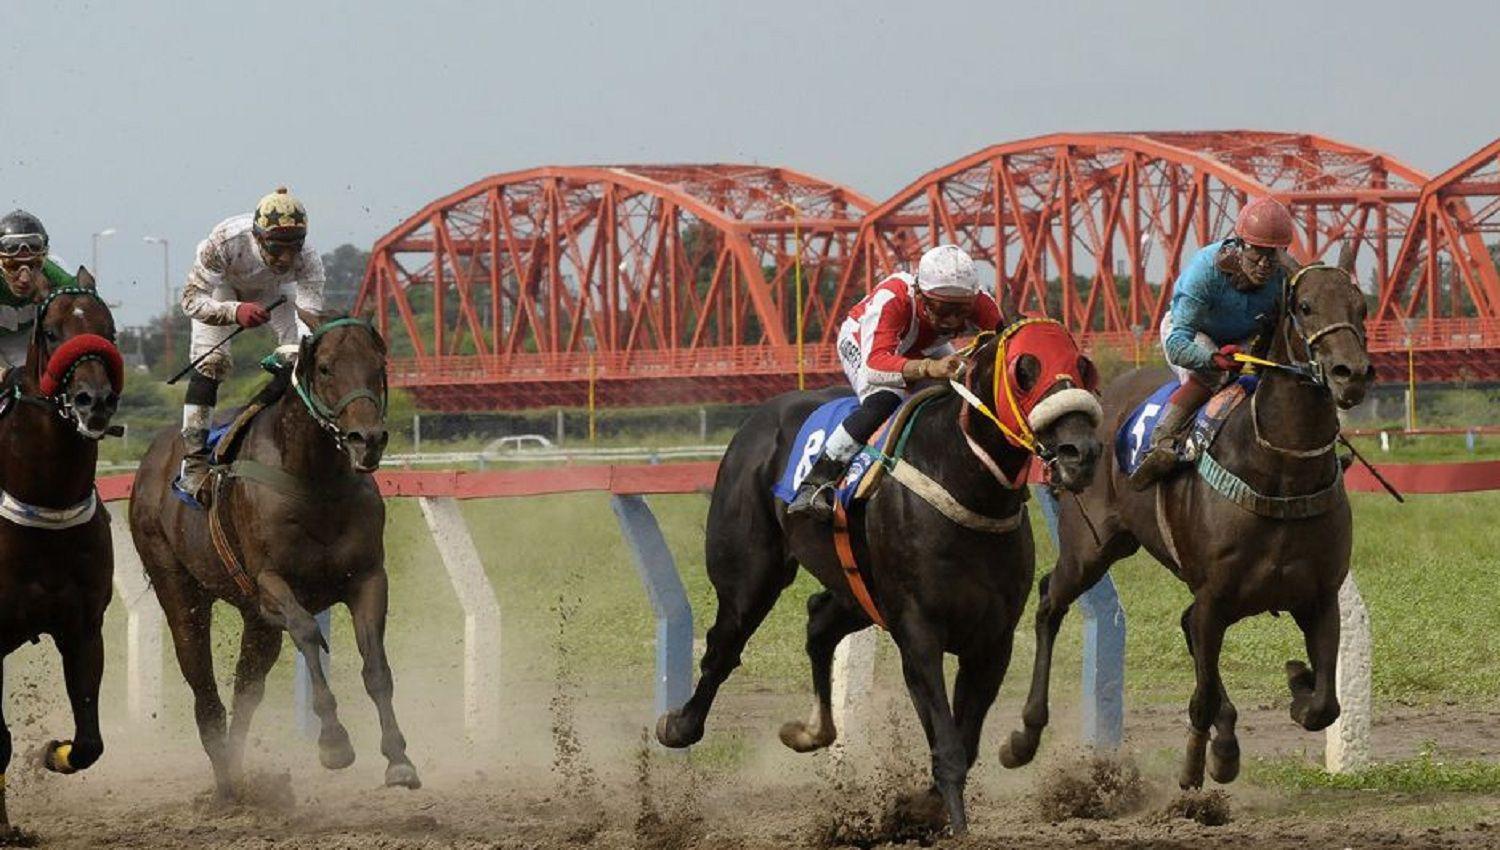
(85,279)
(1346,255)
(311,319)
(1288,262)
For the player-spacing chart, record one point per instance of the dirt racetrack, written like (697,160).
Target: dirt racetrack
(741,789)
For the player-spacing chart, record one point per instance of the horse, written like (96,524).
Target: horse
(1281,543)
(56,561)
(942,586)
(309,519)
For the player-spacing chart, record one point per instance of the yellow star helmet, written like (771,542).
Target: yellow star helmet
(280,211)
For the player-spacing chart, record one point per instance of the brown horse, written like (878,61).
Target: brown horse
(1279,542)
(56,561)
(308,520)
(948,579)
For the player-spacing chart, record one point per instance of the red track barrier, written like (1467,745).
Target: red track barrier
(699,477)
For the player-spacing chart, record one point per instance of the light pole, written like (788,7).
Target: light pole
(166,289)
(94,265)
(797,282)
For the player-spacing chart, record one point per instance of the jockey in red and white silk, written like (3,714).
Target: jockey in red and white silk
(901,332)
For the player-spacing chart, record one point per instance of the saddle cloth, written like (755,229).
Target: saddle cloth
(1134,436)
(809,447)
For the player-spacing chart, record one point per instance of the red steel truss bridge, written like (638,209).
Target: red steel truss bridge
(670,284)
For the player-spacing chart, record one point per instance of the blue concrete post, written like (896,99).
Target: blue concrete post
(307,719)
(1103,651)
(674,616)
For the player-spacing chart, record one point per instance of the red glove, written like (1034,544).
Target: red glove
(251,315)
(1224,359)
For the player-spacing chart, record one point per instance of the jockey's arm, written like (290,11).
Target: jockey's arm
(1190,317)
(198,300)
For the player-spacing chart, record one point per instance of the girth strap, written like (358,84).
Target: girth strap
(1236,490)
(845,549)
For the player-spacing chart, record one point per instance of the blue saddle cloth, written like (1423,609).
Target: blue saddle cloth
(1134,436)
(216,433)
(809,447)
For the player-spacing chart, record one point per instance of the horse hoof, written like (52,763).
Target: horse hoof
(796,735)
(1019,750)
(675,732)
(402,776)
(1224,760)
(334,750)
(57,757)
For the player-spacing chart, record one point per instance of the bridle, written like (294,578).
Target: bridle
(1021,436)
(323,413)
(1307,367)
(93,346)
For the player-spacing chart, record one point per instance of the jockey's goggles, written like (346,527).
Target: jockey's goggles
(23,245)
(280,246)
(11,265)
(945,309)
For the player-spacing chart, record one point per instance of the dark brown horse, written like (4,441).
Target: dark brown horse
(941,586)
(307,522)
(56,561)
(1280,543)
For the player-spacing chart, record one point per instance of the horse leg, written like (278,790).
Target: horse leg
(829,621)
(974,689)
(1224,750)
(5,753)
(82,650)
(922,667)
(188,610)
(748,580)
(1315,701)
(260,645)
(1206,633)
(1072,575)
(280,608)
(367,605)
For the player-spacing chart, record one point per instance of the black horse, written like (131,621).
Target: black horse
(942,586)
(1271,531)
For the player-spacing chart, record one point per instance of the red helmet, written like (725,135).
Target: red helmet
(1265,223)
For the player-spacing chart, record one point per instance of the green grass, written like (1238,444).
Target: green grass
(1429,771)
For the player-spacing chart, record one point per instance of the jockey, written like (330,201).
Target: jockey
(29,273)
(899,333)
(246,260)
(1219,302)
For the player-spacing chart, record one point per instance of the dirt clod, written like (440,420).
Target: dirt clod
(1092,788)
(1210,808)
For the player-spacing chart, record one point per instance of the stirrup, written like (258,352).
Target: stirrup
(183,496)
(818,503)
(1152,471)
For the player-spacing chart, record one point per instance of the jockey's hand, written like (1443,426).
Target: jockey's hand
(251,315)
(1224,359)
(946,368)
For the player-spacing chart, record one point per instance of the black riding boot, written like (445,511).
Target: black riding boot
(815,495)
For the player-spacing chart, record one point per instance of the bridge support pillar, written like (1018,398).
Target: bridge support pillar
(1347,745)
(144,623)
(1103,703)
(669,602)
(481,616)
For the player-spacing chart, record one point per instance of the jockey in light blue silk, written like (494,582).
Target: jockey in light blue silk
(1225,295)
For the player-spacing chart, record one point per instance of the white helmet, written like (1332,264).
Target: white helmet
(947,271)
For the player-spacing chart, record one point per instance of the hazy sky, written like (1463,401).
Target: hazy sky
(163,118)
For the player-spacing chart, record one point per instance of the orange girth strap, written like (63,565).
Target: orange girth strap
(845,550)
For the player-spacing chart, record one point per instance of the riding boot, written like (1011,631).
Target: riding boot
(815,495)
(194,472)
(1165,454)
